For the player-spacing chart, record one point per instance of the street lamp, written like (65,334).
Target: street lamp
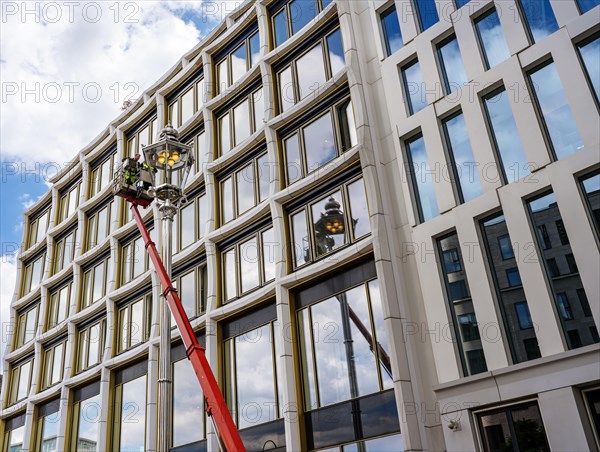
(168,157)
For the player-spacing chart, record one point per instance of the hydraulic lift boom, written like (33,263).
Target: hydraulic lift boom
(216,406)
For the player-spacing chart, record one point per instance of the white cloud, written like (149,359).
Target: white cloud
(8,275)
(64,80)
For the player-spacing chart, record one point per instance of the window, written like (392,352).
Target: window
(516,427)
(90,345)
(241,121)
(191,224)
(461,3)
(99,223)
(452,261)
(130,424)
(33,273)
(20,381)
(539,17)
(544,209)
(247,353)
(555,111)
(339,218)
(506,249)
(94,283)
(58,309)
(102,173)
(293,17)
(589,51)
(592,400)
(513,277)
(248,264)
(590,186)
(27,322)
(54,364)
(523,315)
(231,67)
(453,70)
(390,29)
(133,324)
(189,416)
(543,237)
(135,259)
(464,166)
(305,74)
(47,424)
(13,436)
(38,225)
(69,200)
(316,143)
(587,5)
(571,264)
(185,104)
(426,12)
(335,376)
(64,250)
(421,178)
(245,188)
(415,94)
(87,412)
(583,301)
(142,135)
(192,288)
(461,307)
(491,39)
(506,140)
(562,232)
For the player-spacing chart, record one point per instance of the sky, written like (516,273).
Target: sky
(65,70)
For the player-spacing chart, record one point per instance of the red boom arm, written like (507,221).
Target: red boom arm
(195,352)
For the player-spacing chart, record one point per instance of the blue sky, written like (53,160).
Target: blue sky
(65,69)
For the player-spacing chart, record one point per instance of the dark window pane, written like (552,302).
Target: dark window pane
(553,267)
(468,327)
(427,13)
(491,38)
(422,179)
(539,17)
(461,156)
(458,290)
(586,5)
(513,277)
(280,27)
(453,70)
(532,349)
(591,189)
(583,301)
(593,401)
(390,27)
(556,112)
(452,261)
(461,3)
(506,136)
(522,310)
(301,13)
(590,54)
(563,306)
(571,263)
(414,88)
(562,232)
(506,249)
(574,339)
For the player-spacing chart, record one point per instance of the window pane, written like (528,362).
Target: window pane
(249,265)
(461,306)
(224,135)
(63,300)
(227,200)
(301,13)
(544,211)
(506,137)
(269,254)
(241,122)
(336,52)
(137,322)
(300,233)
(280,27)
(264,177)
(556,112)
(23,384)
(187,106)
(259,109)
(325,240)
(414,88)
(90,412)
(319,144)
(311,71)
(245,188)
(590,54)
(540,18)
(187,293)
(427,13)
(133,415)
(591,188)
(229,274)
(586,5)
(57,364)
(15,439)
(30,325)
(102,225)
(138,252)
(286,89)
(308,371)
(461,156)
(93,344)
(254,48)
(188,405)
(422,179)
(453,70)
(238,63)
(144,138)
(392,35)
(491,38)
(383,347)
(99,281)
(203,215)
(200,93)
(222,76)
(293,163)
(187,223)
(49,438)
(359,208)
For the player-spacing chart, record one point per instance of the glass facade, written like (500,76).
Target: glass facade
(426,12)
(539,17)
(451,65)
(414,88)
(421,178)
(491,39)
(390,28)
(587,5)
(590,55)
